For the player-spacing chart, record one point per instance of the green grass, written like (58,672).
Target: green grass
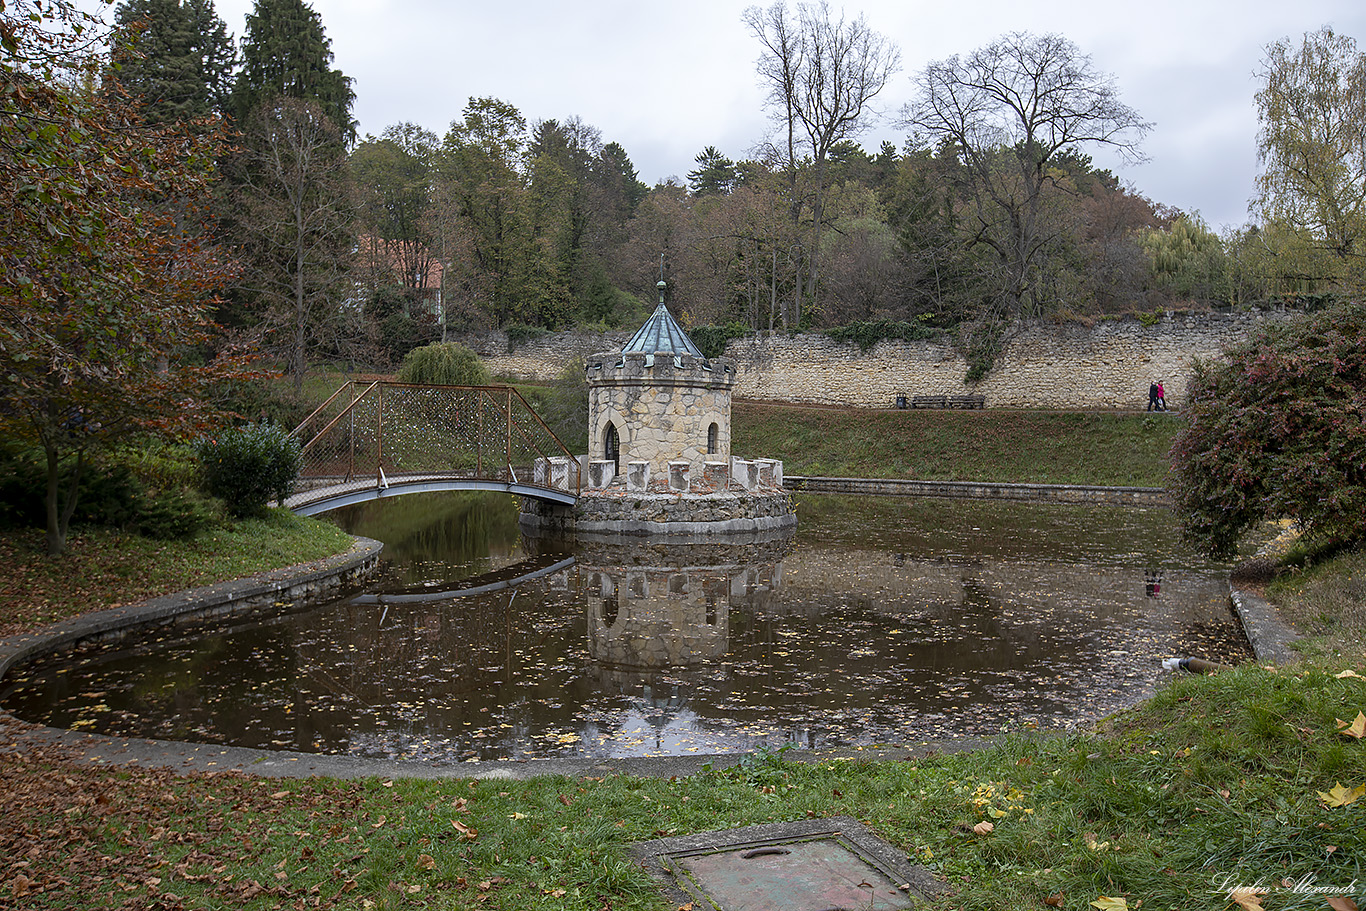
(1100,448)
(1324,595)
(104,568)
(1215,780)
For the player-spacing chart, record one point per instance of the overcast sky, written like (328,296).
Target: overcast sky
(667,79)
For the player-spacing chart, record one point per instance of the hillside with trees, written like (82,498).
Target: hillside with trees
(991,211)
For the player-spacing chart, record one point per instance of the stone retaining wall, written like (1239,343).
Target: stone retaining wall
(616,511)
(984,490)
(1108,364)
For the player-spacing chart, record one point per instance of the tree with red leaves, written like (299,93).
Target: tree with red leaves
(1277,430)
(107,272)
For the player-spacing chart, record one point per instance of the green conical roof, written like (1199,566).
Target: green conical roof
(662,334)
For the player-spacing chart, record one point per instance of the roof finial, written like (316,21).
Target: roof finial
(661,286)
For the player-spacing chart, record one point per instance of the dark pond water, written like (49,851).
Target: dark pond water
(882,620)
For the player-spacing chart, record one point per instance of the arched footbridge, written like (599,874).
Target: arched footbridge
(381,439)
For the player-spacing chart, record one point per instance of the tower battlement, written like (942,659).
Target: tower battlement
(660,369)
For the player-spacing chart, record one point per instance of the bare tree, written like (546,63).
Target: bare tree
(1010,110)
(822,72)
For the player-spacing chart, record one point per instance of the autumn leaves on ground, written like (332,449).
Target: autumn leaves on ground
(1245,787)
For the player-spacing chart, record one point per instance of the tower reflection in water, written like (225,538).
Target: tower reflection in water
(656,610)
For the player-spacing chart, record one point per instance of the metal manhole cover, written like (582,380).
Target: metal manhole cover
(831,864)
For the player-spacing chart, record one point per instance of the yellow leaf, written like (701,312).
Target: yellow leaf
(1346,674)
(1105,903)
(1354,728)
(1340,796)
(1247,898)
(983,828)
(517,816)
(995,813)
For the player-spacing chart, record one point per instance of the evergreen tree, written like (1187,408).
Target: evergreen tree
(286,53)
(174,56)
(714,175)
(291,210)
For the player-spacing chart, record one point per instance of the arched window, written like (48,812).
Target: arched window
(712,433)
(611,446)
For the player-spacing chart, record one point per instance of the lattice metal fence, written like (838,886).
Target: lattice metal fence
(369,432)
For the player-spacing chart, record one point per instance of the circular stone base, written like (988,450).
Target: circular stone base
(660,511)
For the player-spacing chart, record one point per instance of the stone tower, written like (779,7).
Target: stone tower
(659,400)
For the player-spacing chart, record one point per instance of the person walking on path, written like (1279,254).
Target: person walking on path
(1161,396)
(1153,393)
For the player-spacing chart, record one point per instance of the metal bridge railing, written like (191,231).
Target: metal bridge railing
(379,432)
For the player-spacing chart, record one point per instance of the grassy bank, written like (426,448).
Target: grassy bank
(104,568)
(1108,449)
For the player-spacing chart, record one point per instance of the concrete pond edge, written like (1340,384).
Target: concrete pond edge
(297,587)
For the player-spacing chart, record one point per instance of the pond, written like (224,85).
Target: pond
(883,620)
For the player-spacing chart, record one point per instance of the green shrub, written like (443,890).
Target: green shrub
(142,488)
(712,340)
(519,334)
(981,344)
(445,363)
(246,466)
(175,513)
(159,463)
(868,333)
(22,478)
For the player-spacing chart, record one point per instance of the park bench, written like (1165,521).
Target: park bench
(967,400)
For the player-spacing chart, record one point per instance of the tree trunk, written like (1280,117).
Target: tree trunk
(300,310)
(59,514)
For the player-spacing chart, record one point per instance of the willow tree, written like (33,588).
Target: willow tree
(1312,147)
